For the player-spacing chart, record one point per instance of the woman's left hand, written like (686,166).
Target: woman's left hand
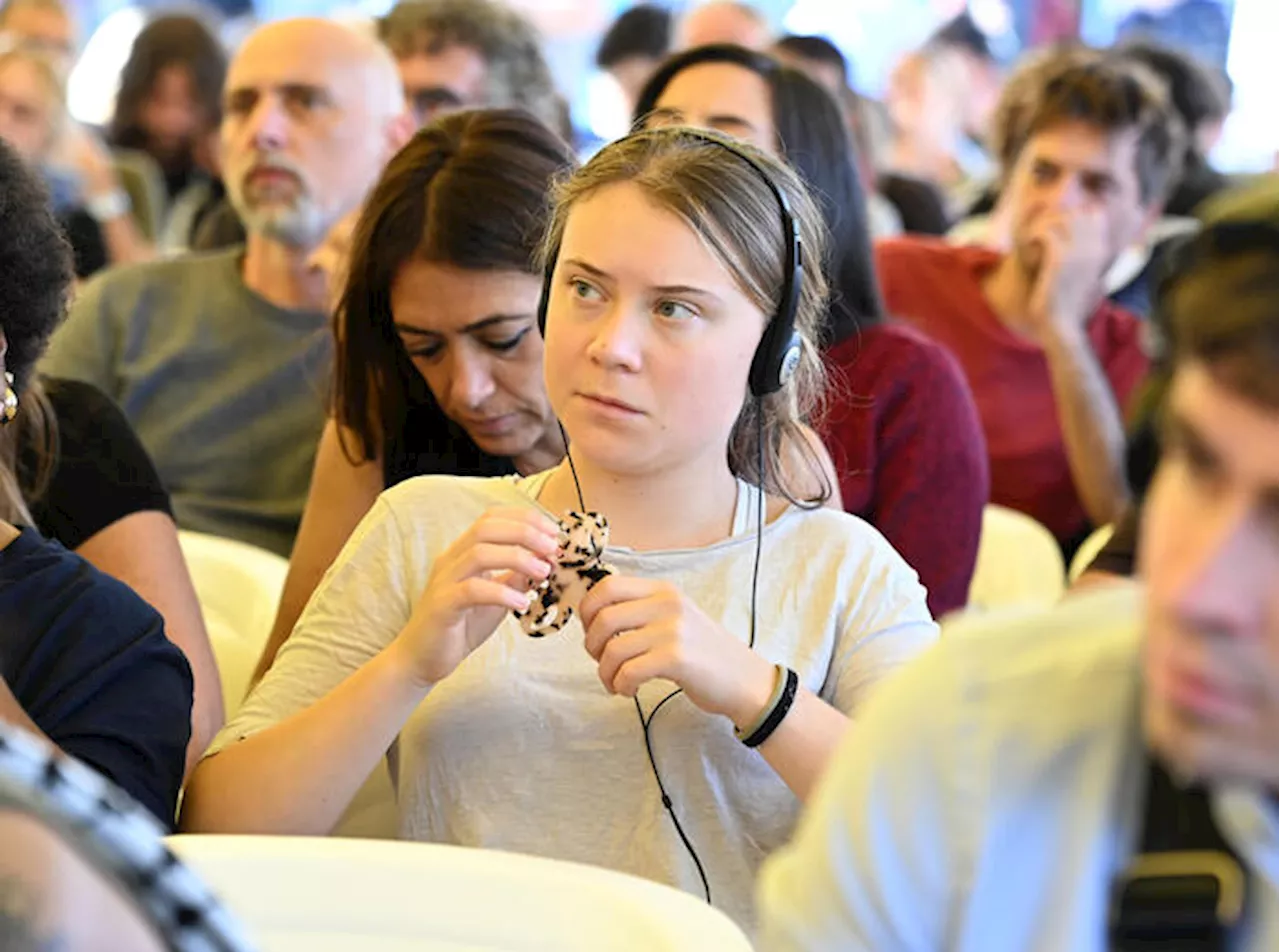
(640,629)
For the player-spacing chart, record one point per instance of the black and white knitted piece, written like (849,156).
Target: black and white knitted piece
(120,838)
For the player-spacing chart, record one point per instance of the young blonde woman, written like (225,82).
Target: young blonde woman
(668,262)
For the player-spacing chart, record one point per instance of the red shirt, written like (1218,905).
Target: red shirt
(936,287)
(906,442)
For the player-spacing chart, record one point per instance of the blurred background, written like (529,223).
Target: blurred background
(1237,36)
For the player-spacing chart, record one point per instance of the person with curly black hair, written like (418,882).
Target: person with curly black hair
(84,661)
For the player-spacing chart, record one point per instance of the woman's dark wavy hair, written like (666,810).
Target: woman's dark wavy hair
(175,40)
(470,190)
(35,281)
(814,139)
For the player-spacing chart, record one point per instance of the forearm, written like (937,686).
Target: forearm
(124,243)
(1092,429)
(299,776)
(799,749)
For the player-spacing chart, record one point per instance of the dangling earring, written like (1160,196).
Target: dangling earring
(9,409)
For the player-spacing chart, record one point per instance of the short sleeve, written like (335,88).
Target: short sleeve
(886,625)
(85,346)
(871,864)
(361,604)
(102,473)
(89,662)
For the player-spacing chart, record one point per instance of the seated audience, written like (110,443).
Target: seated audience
(633,47)
(84,661)
(1201,96)
(926,102)
(821,60)
(219,360)
(466,54)
(46,27)
(722,21)
(438,362)
(439,366)
(1101,776)
(170,99)
(651,337)
(94,213)
(900,422)
(1051,362)
(84,868)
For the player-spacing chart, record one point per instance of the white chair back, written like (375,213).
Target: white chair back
(238,586)
(1019,562)
(325,895)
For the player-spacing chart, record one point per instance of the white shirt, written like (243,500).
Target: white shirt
(988,796)
(522,749)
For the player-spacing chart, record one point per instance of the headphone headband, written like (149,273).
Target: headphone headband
(778,353)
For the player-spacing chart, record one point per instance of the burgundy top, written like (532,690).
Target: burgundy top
(904,434)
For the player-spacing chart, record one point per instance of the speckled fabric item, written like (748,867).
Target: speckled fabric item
(553,602)
(120,837)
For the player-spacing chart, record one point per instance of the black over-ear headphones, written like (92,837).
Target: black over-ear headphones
(778,353)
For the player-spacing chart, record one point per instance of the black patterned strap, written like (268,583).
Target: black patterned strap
(779,711)
(123,839)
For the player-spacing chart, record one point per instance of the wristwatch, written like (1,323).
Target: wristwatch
(108,205)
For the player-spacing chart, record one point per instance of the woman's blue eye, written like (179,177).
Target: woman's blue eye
(675,310)
(583,290)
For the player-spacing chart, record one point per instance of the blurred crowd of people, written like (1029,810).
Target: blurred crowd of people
(362,298)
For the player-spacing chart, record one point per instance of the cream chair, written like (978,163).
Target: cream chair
(1019,563)
(238,586)
(326,895)
(1088,551)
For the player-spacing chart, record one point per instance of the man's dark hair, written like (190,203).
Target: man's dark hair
(168,41)
(1198,92)
(814,138)
(643,31)
(816,49)
(1219,302)
(1077,84)
(962,33)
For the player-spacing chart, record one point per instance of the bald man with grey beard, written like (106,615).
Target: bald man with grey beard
(220,359)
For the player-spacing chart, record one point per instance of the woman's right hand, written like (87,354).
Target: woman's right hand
(486,573)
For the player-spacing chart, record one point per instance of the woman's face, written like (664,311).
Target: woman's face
(649,338)
(473,335)
(26,112)
(722,96)
(170,115)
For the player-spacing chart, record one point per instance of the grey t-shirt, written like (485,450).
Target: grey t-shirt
(226,391)
(522,749)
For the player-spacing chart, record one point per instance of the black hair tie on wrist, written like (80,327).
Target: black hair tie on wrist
(766,729)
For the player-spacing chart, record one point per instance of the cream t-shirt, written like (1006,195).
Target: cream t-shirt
(522,749)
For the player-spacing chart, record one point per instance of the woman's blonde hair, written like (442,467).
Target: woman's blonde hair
(718,189)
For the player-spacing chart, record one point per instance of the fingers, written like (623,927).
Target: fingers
(631,659)
(607,623)
(487,557)
(524,527)
(475,592)
(614,590)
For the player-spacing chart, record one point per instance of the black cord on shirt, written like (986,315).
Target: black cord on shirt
(647,722)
